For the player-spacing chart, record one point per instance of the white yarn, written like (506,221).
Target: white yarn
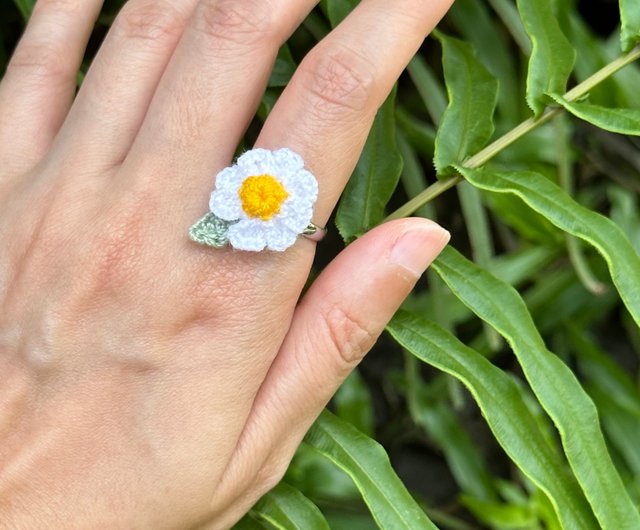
(282,230)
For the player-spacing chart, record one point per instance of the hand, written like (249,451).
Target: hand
(148,382)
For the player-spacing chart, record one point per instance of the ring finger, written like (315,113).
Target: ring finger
(328,108)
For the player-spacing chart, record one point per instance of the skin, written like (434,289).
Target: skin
(148,382)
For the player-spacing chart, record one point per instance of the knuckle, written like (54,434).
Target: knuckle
(41,61)
(239,22)
(339,80)
(270,474)
(350,338)
(149,20)
(71,7)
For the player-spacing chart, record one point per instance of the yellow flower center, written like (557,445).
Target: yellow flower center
(262,196)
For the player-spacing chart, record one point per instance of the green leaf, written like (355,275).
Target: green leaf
(503,516)
(615,395)
(366,462)
(283,69)
(467,124)
(353,403)
(482,31)
(621,121)
(25,7)
(508,13)
(412,177)
(286,508)
(504,409)
(554,384)
(630,17)
(552,56)
(337,10)
(463,457)
(429,88)
(249,523)
(210,231)
(549,200)
(419,134)
(374,179)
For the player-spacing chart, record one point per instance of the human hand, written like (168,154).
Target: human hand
(148,382)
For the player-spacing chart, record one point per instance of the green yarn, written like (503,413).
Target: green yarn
(210,231)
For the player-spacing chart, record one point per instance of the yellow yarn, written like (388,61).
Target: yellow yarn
(262,196)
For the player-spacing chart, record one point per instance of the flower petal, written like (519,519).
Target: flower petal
(257,162)
(288,161)
(294,215)
(226,205)
(280,238)
(302,185)
(248,234)
(229,178)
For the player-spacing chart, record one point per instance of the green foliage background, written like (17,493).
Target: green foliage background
(505,394)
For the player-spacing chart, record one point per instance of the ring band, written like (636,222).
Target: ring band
(314,232)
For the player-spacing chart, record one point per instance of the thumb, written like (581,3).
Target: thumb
(334,326)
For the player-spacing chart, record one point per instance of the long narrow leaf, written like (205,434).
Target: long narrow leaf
(337,10)
(506,413)
(366,462)
(429,87)
(467,124)
(554,384)
(617,120)
(476,25)
(549,200)
(630,17)
(374,179)
(25,7)
(552,56)
(286,508)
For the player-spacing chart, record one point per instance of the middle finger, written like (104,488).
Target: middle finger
(208,95)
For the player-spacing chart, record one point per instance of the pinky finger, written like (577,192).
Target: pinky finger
(40,80)
(335,325)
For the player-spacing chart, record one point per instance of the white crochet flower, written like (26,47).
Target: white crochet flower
(269,198)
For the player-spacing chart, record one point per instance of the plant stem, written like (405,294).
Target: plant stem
(486,154)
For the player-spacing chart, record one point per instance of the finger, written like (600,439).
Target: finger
(327,109)
(209,93)
(40,80)
(118,88)
(335,325)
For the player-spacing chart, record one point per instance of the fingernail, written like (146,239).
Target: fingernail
(419,246)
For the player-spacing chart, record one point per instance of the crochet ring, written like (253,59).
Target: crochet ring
(264,201)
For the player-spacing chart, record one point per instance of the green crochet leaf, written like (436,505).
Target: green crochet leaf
(210,231)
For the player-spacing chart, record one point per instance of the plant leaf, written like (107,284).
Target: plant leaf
(630,18)
(552,56)
(374,179)
(25,7)
(508,14)
(366,462)
(502,405)
(337,10)
(353,403)
(286,508)
(554,384)
(554,204)
(475,23)
(283,68)
(467,124)
(621,121)
(429,87)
